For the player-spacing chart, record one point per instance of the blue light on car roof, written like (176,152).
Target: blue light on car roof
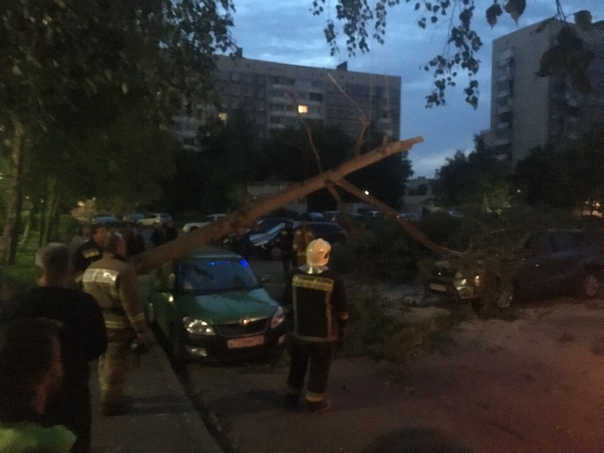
(244,263)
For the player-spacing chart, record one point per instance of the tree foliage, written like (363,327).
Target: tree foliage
(566,178)
(478,178)
(361,20)
(292,158)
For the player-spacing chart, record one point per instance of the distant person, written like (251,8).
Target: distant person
(241,243)
(170,231)
(316,303)
(31,373)
(302,237)
(285,243)
(114,285)
(81,236)
(158,235)
(83,336)
(135,243)
(92,249)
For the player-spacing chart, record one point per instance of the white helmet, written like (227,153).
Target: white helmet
(317,253)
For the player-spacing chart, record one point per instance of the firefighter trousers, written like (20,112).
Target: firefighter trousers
(114,365)
(319,356)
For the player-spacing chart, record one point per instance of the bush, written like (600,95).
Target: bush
(372,333)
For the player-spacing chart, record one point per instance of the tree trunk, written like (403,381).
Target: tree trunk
(180,247)
(47,210)
(12,194)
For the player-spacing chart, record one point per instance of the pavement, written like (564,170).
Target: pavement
(163,418)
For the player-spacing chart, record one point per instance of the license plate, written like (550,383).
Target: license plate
(438,287)
(246,342)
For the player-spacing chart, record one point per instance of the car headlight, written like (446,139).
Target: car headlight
(196,326)
(278,317)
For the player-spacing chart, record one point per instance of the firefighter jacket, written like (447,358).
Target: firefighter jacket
(316,304)
(86,254)
(114,285)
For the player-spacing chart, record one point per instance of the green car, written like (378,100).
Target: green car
(210,305)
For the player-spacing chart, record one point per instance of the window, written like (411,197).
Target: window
(302,108)
(315,96)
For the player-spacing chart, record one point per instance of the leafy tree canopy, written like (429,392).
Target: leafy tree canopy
(360,20)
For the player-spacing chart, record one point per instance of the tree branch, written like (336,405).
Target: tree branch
(180,247)
(407,226)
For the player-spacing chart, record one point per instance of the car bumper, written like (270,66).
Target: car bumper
(218,348)
(446,289)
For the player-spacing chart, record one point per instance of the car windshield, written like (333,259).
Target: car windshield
(216,276)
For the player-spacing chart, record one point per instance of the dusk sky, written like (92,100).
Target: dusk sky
(285,31)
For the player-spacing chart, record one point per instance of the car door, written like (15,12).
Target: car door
(535,268)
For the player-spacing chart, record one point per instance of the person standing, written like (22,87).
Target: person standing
(170,231)
(114,285)
(135,243)
(83,336)
(158,235)
(284,242)
(317,307)
(92,249)
(31,373)
(302,237)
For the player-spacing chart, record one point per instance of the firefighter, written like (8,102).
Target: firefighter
(316,303)
(114,285)
(91,250)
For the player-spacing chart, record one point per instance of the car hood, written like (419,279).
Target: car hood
(222,308)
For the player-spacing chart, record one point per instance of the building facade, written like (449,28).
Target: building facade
(528,111)
(275,96)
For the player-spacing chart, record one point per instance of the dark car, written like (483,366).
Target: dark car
(210,305)
(545,264)
(332,232)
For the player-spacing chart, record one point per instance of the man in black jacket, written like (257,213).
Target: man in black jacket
(83,336)
(316,302)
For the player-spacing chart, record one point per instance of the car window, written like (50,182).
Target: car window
(216,275)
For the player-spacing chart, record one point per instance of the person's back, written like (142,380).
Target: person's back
(31,373)
(83,337)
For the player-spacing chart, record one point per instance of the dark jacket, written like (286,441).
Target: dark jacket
(86,254)
(316,303)
(83,339)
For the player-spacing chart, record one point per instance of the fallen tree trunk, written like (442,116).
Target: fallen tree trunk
(183,245)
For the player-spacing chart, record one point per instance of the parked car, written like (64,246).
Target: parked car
(312,216)
(262,241)
(211,305)
(153,217)
(545,264)
(133,217)
(332,232)
(103,219)
(207,219)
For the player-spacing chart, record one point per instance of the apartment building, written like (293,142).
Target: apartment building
(529,111)
(275,96)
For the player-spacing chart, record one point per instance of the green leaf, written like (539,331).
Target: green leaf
(515,8)
(493,12)
(124,88)
(16,71)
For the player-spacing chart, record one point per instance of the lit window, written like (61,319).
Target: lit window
(302,108)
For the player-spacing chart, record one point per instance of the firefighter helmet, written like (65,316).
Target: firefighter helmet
(317,253)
